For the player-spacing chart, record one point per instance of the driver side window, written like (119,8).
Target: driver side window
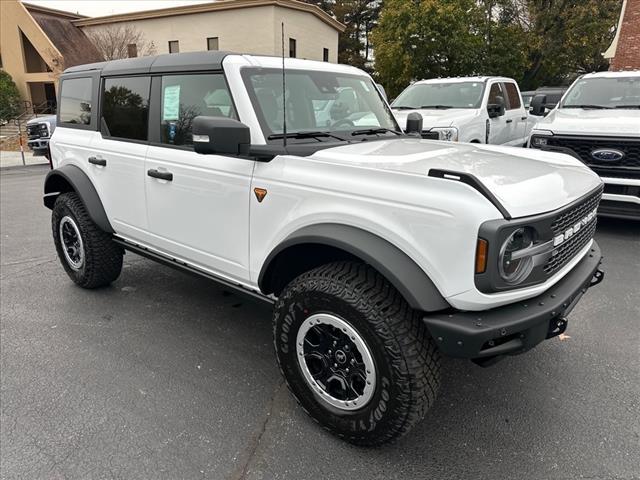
(495,92)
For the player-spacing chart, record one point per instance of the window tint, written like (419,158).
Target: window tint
(512,93)
(125,107)
(184,97)
(496,91)
(75,101)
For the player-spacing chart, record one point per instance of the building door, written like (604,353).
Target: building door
(50,95)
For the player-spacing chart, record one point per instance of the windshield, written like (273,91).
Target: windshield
(441,95)
(317,102)
(620,92)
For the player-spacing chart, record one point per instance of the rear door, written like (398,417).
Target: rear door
(516,117)
(197,205)
(116,163)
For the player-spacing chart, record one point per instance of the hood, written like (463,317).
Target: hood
(437,118)
(51,119)
(525,181)
(579,121)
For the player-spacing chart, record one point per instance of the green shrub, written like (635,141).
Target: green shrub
(9,97)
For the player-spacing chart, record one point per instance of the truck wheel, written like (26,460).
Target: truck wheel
(355,355)
(87,253)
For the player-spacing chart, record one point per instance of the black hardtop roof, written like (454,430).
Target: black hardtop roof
(170,62)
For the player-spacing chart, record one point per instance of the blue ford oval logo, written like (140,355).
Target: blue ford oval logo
(607,155)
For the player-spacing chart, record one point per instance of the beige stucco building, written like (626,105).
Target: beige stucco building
(37,43)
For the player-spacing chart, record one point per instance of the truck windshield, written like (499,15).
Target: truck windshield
(601,93)
(317,103)
(441,95)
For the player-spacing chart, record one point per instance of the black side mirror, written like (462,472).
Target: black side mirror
(220,135)
(538,105)
(498,108)
(414,124)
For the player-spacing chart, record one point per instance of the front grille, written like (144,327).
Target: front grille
(430,135)
(34,132)
(566,220)
(628,166)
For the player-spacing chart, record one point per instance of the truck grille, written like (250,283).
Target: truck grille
(34,132)
(566,220)
(627,167)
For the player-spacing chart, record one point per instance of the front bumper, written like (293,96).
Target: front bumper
(40,146)
(518,327)
(621,198)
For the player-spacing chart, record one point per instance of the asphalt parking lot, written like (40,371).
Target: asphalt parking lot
(164,375)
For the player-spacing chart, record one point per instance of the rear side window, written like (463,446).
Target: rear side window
(512,94)
(125,107)
(184,97)
(75,101)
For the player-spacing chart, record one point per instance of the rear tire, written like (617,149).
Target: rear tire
(87,253)
(327,314)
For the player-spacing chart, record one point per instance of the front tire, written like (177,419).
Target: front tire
(357,358)
(87,253)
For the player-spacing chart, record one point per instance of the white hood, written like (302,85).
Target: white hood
(579,121)
(525,181)
(437,118)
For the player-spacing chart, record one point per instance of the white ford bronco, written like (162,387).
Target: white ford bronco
(598,122)
(379,250)
(467,109)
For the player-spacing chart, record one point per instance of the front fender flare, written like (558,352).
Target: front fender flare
(396,266)
(72,178)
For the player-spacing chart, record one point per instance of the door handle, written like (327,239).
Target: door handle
(168,176)
(523,118)
(510,120)
(98,161)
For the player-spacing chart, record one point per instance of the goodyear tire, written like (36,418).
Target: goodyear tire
(87,253)
(354,354)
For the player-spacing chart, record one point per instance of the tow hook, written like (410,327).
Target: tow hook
(557,326)
(597,278)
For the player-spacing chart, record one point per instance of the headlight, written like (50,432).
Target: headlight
(538,142)
(515,261)
(449,134)
(539,138)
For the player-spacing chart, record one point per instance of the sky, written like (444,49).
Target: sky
(97,8)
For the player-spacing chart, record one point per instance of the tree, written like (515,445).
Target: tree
(113,41)
(9,97)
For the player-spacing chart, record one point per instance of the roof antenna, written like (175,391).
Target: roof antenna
(284,100)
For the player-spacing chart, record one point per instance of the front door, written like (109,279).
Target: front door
(197,205)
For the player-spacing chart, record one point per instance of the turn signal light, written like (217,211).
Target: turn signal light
(482,248)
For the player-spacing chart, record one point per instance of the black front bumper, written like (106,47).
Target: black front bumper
(517,327)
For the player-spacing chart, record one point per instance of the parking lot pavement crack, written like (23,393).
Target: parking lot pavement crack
(240,473)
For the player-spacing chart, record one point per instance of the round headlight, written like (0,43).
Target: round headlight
(514,264)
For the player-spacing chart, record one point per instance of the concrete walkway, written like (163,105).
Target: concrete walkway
(14,159)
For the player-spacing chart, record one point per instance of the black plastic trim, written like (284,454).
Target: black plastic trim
(517,327)
(186,267)
(474,183)
(396,266)
(81,184)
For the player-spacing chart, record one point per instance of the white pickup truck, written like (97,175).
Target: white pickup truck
(467,109)
(598,122)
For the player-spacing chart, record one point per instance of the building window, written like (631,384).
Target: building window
(132,50)
(125,107)
(184,97)
(325,54)
(174,46)
(75,101)
(212,43)
(292,47)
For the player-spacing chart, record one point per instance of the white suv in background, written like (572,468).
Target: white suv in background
(379,251)
(598,122)
(467,109)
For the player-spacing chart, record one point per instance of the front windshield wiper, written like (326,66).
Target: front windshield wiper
(627,106)
(601,107)
(438,107)
(373,131)
(404,107)
(305,135)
